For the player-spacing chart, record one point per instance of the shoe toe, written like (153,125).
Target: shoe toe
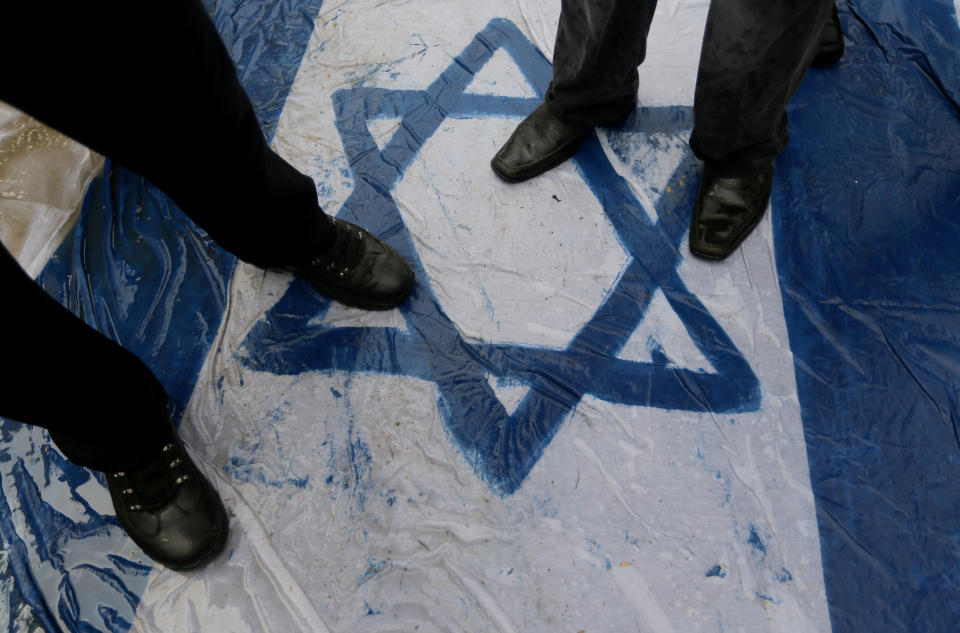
(194,529)
(719,230)
(375,277)
(390,279)
(726,211)
(540,142)
(188,530)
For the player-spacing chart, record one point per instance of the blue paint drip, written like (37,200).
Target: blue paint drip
(113,621)
(756,542)
(374,568)
(250,469)
(129,567)
(350,468)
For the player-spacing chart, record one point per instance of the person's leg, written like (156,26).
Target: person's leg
(105,410)
(155,90)
(599,45)
(755,53)
(59,373)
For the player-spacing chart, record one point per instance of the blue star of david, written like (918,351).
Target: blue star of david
(502,447)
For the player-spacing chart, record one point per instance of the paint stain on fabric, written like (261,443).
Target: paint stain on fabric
(756,542)
(716,571)
(596,549)
(350,467)
(374,568)
(783,575)
(250,469)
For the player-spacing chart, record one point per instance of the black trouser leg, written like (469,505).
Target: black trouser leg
(103,407)
(755,54)
(162,98)
(599,45)
(149,84)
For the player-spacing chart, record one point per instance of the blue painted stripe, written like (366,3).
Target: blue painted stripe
(866,223)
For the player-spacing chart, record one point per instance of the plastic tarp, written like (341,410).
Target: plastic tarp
(573,425)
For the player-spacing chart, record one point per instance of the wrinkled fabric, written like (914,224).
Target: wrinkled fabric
(573,425)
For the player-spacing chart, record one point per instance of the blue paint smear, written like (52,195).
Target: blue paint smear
(350,467)
(250,469)
(137,269)
(374,568)
(717,571)
(756,542)
(866,216)
(112,621)
(503,448)
(129,567)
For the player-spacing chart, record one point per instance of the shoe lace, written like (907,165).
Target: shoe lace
(346,252)
(154,484)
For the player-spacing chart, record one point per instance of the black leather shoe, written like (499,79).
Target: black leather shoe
(727,210)
(170,509)
(540,143)
(359,270)
(831,46)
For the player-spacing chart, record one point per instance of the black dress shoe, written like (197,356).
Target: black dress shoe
(831,46)
(170,509)
(727,210)
(359,270)
(540,142)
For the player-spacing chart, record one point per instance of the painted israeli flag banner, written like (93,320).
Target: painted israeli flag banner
(572,425)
